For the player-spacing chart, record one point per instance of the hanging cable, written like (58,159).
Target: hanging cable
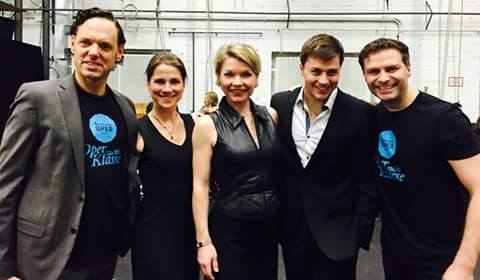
(427,6)
(36,4)
(445,57)
(385,7)
(127,9)
(208,64)
(288,16)
(159,34)
(457,89)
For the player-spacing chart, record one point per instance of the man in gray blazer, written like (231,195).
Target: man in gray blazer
(67,165)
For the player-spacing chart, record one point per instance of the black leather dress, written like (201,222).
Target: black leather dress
(243,222)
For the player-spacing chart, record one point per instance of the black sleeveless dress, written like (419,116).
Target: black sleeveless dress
(164,235)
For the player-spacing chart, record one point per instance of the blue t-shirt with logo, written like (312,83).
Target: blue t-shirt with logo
(423,203)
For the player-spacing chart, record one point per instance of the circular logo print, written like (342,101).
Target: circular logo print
(103,128)
(387,144)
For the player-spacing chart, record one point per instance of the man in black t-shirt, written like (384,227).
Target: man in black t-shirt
(427,167)
(68,165)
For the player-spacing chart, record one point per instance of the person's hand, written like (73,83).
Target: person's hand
(207,259)
(458,272)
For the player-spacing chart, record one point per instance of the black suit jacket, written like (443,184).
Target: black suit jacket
(336,190)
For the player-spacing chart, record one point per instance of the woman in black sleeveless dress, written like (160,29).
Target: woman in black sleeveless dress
(234,154)
(164,238)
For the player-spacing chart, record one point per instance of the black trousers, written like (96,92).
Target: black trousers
(90,269)
(304,260)
(400,267)
(246,249)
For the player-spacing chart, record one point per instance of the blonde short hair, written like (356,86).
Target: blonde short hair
(243,52)
(211,98)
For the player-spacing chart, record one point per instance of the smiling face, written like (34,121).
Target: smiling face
(166,86)
(237,80)
(387,77)
(95,50)
(320,77)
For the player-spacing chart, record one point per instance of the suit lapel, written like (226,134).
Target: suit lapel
(130,118)
(287,128)
(73,118)
(332,126)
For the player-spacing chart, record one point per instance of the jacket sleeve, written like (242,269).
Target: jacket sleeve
(16,150)
(367,207)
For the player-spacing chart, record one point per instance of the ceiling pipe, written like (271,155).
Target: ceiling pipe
(394,21)
(382,13)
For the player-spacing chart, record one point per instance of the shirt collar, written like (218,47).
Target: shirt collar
(234,118)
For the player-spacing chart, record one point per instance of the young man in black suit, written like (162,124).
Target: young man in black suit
(328,194)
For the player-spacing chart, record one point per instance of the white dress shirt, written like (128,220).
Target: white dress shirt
(307,133)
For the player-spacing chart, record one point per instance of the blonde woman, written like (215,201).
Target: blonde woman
(233,152)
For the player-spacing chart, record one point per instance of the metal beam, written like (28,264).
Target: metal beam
(18,21)
(4,6)
(243,13)
(46,38)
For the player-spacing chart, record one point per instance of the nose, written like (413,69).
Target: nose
(383,77)
(94,50)
(237,80)
(322,79)
(168,87)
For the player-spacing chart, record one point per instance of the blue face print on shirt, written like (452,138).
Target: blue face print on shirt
(103,128)
(387,144)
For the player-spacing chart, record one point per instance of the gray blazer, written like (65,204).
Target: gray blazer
(42,177)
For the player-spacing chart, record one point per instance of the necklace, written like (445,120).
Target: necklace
(169,131)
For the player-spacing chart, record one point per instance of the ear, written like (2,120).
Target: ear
(71,40)
(301,68)
(120,53)
(409,70)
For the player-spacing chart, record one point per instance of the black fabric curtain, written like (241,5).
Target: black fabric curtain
(7,27)
(20,63)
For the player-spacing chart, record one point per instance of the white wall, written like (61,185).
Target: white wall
(427,47)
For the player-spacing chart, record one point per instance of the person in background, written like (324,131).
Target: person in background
(164,236)
(68,185)
(427,167)
(234,153)
(210,102)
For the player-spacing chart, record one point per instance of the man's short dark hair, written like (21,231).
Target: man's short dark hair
(84,15)
(383,44)
(322,46)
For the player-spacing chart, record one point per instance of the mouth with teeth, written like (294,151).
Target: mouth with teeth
(238,92)
(385,89)
(323,90)
(166,97)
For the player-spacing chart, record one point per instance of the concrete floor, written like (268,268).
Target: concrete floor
(369,263)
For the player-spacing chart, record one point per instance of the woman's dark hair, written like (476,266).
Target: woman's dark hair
(166,58)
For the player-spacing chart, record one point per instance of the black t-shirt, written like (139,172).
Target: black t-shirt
(104,225)
(423,202)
